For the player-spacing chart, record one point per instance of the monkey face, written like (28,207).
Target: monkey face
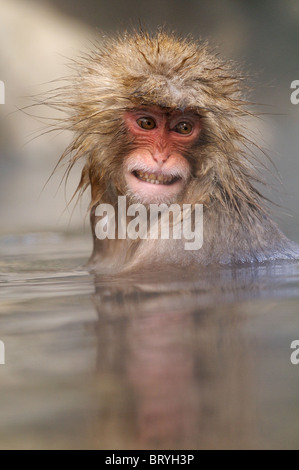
(156,170)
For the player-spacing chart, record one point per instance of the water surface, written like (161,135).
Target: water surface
(166,360)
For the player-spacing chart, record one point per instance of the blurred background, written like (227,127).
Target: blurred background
(39,37)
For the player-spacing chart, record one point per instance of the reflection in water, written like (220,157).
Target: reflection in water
(188,360)
(184,371)
(179,346)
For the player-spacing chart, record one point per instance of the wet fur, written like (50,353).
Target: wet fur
(138,69)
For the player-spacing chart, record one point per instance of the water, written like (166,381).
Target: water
(180,360)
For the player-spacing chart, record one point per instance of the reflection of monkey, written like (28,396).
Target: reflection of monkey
(159,119)
(178,371)
(179,360)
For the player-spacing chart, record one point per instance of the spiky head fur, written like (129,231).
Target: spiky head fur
(138,69)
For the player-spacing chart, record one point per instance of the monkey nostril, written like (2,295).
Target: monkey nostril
(160,157)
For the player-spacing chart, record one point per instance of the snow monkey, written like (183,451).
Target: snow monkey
(160,120)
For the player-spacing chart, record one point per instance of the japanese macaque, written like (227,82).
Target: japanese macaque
(159,120)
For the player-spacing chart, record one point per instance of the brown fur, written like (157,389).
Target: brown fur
(173,73)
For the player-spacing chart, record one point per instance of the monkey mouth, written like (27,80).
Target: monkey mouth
(154,186)
(153,178)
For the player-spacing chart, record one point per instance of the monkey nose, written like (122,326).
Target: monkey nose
(160,157)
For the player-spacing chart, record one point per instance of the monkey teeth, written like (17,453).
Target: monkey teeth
(154,179)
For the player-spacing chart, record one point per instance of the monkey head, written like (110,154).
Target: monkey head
(154,117)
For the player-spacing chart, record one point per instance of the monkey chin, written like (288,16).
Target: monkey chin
(154,188)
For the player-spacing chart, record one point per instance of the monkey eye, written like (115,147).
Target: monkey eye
(183,128)
(147,123)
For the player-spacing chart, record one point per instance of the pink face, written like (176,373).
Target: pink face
(157,171)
